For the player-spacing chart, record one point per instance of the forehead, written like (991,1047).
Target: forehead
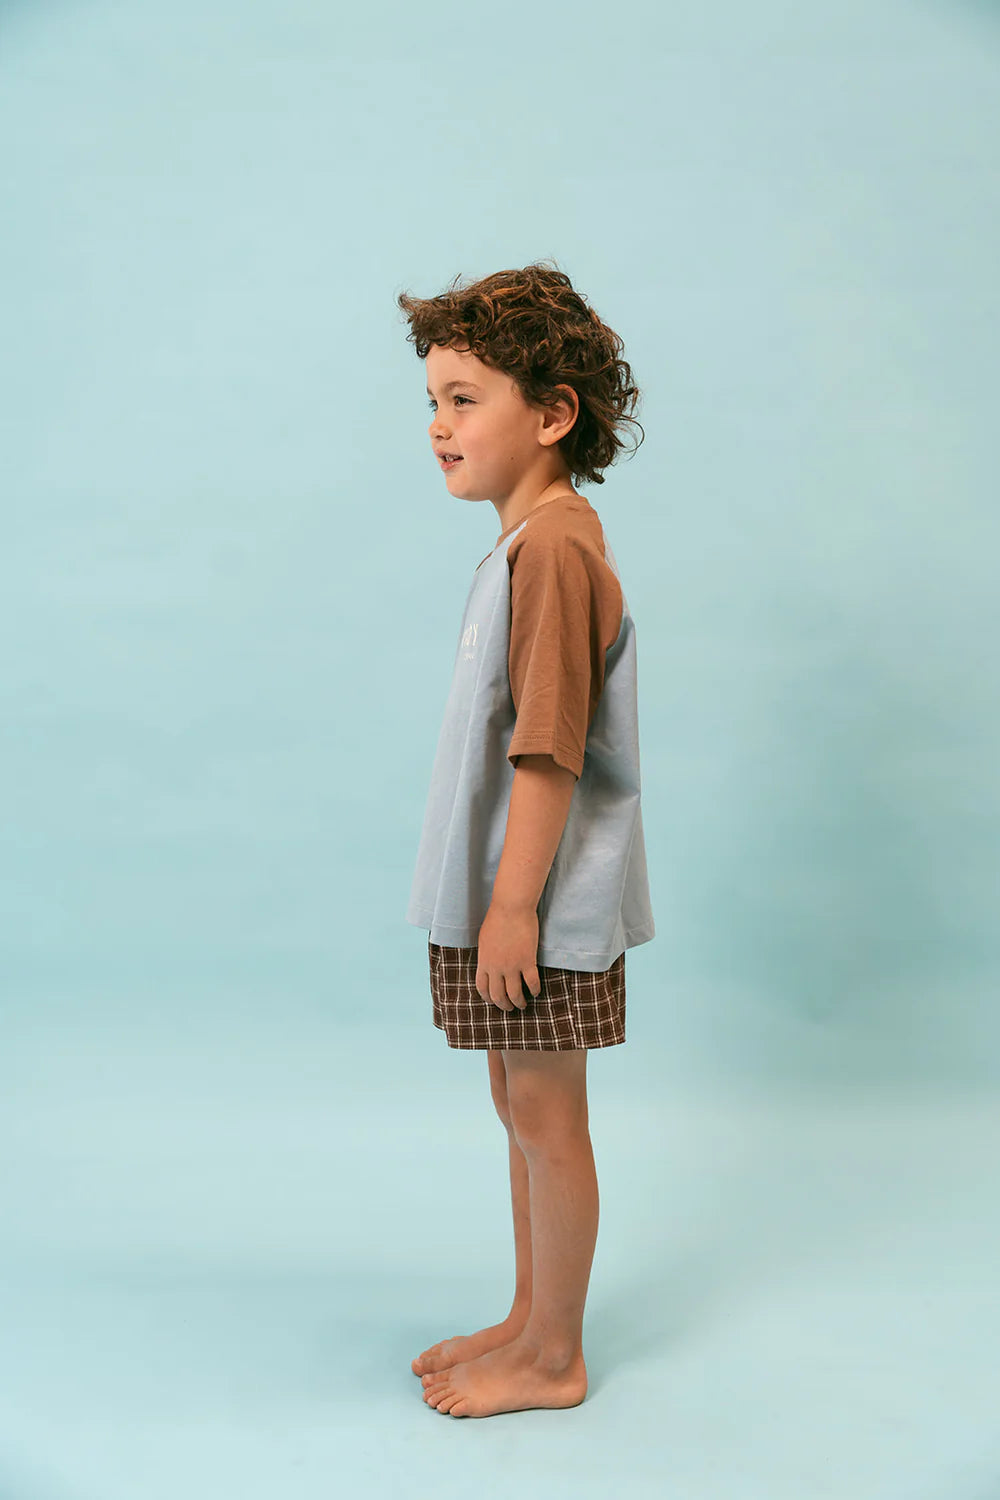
(454,369)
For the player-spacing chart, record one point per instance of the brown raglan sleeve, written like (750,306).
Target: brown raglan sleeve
(566,608)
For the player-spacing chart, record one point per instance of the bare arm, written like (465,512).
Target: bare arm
(539,806)
(508,939)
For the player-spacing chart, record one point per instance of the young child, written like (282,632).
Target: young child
(531,868)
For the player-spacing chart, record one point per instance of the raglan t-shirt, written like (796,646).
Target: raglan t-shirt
(545,664)
(565,613)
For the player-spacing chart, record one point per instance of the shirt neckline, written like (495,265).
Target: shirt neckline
(531,513)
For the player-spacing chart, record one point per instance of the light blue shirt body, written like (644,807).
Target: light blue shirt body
(595,902)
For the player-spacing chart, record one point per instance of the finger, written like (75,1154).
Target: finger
(534,983)
(498,993)
(515,992)
(495,991)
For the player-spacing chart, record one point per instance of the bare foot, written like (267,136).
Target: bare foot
(508,1379)
(466,1346)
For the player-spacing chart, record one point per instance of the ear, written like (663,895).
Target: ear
(559,418)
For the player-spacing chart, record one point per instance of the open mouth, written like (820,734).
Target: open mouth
(449,460)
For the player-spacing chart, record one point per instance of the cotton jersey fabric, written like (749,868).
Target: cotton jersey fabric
(572,1008)
(545,664)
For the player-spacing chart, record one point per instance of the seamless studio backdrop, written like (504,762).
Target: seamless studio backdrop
(244,1179)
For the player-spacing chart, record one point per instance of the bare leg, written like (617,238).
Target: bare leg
(549,1107)
(451,1351)
(520,1198)
(543,1365)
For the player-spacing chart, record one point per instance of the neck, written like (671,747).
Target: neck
(558,489)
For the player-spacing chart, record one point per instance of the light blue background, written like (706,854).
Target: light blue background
(244,1180)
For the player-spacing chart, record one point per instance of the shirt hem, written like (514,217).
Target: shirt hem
(585,959)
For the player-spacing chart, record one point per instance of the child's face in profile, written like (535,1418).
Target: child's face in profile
(485,420)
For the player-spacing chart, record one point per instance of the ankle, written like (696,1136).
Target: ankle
(554,1356)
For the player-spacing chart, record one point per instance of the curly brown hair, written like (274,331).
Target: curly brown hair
(533,326)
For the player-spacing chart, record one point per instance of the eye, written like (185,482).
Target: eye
(454,398)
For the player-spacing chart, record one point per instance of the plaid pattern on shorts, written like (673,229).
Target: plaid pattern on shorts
(573,1008)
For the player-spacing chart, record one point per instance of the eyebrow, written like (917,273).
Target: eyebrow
(450,385)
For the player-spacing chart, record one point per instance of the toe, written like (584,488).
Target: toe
(437,1357)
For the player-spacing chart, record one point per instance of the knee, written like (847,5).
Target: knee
(539,1122)
(501,1103)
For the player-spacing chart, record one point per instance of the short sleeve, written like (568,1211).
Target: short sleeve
(566,609)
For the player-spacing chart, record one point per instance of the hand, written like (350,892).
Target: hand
(508,947)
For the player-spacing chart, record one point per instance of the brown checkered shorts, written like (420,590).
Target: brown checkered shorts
(573,1008)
